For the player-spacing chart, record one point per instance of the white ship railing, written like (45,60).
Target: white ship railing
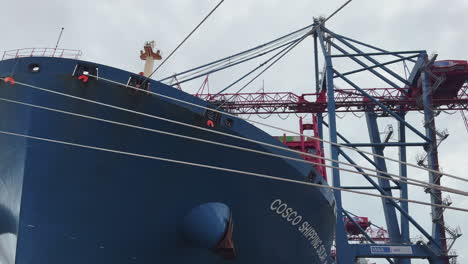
(42,52)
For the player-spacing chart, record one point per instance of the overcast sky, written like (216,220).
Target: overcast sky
(113,32)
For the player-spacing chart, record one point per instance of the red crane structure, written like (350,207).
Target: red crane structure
(346,100)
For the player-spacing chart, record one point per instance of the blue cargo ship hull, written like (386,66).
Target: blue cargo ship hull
(68,204)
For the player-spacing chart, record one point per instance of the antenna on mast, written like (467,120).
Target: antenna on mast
(60,36)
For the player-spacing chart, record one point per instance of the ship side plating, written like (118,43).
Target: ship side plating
(66,204)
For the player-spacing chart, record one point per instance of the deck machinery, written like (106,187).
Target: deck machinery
(426,85)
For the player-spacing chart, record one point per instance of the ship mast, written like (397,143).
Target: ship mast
(148,55)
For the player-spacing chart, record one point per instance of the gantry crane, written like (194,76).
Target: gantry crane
(429,86)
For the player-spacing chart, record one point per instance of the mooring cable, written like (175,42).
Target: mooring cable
(198,127)
(405,179)
(200,165)
(185,39)
(289,131)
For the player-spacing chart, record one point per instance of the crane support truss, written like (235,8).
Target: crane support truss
(422,89)
(426,87)
(346,100)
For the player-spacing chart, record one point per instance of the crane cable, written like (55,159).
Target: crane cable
(222,65)
(285,50)
(433,186)
(183,41)
(200,165)
(277,128)
(406,180)
(281,54)
(266,45)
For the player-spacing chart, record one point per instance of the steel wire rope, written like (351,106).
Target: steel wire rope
(227,64)
(266,117)
(274,127)
(281,53)
(239,53)
(286,51)
(287,116)
(428,185)
(233,64)
(213,131)
(298,116)
(240,56)
(448,112)
(259,175)
(422,184)
(340,117)
(356,115)
(230,62)
(183,41)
